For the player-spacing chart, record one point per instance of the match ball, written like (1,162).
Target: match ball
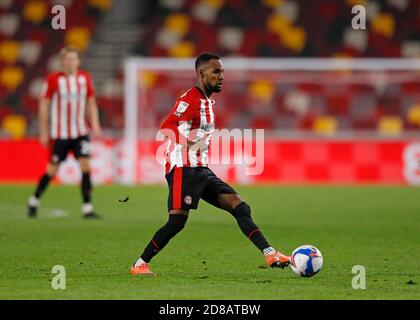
(306,261)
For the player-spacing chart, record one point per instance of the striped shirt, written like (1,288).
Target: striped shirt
(192,118)
(68,95)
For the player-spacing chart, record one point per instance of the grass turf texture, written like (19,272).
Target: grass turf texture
(377,227)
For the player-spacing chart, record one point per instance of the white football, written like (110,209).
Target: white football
(306,261)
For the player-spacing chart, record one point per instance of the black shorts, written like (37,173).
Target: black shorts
(187,185)
(59,148)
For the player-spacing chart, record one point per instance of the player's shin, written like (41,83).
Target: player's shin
(86,187)
(175,224)
(42,185)
(242,214)
(33,202)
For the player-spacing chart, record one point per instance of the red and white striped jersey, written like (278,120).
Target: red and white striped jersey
(192,118)
(68,95)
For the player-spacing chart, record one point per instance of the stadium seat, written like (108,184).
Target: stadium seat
(112,88)
(172,4)
(231,38)
(35,87)
(399,4)
(35,11)
(53,63)
(215,3)
(4,111)
(11,77)
(179,23)
(373,9)
(262,122)
(413,115)
(15,125)
(272,3)
(29,52)
(288,9)
(278,24)
(30,106)
(411,88)
(182,50)
(356,2)
(100,4)
(357,39)
(327,10)
(339,104)
(263,90)
(6,4)
(319,105)
(361,106)
(294,39)
(9,51)
(149,78)
(297,102)
(390,125)
(324,124)
(9,24)
(410,49)
(37,34)
(384,24)
(78,37)
(167,38)
(65,3)
(206,10)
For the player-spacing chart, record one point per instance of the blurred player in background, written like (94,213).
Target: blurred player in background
(189,127)
(68,96)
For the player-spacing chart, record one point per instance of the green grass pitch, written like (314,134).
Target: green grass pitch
(377,227)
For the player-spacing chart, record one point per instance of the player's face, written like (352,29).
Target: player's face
(70,62)
(213,76)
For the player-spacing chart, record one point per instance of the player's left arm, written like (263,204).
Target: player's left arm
(92,108)
(93,116)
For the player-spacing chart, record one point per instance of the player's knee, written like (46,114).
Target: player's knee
(242,210)
(228,201)
(84,165)
(176,222)
(52,169)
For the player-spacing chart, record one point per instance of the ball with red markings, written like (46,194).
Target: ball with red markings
(306,261)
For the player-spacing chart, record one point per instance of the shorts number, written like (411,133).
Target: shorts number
(85,148)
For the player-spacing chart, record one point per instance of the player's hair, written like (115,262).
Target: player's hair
(68,49)
(205,57)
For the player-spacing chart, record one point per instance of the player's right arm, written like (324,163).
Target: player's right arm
(44,104)
(43,108)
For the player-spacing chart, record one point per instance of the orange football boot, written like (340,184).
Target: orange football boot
(142,269)
(277,260)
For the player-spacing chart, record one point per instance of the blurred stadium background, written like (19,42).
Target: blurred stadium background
(338,125)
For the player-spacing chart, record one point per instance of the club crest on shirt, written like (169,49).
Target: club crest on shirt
(188,199)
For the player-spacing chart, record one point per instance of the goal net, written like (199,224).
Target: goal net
(313,102)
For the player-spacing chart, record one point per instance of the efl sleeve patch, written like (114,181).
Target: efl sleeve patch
(182,106)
